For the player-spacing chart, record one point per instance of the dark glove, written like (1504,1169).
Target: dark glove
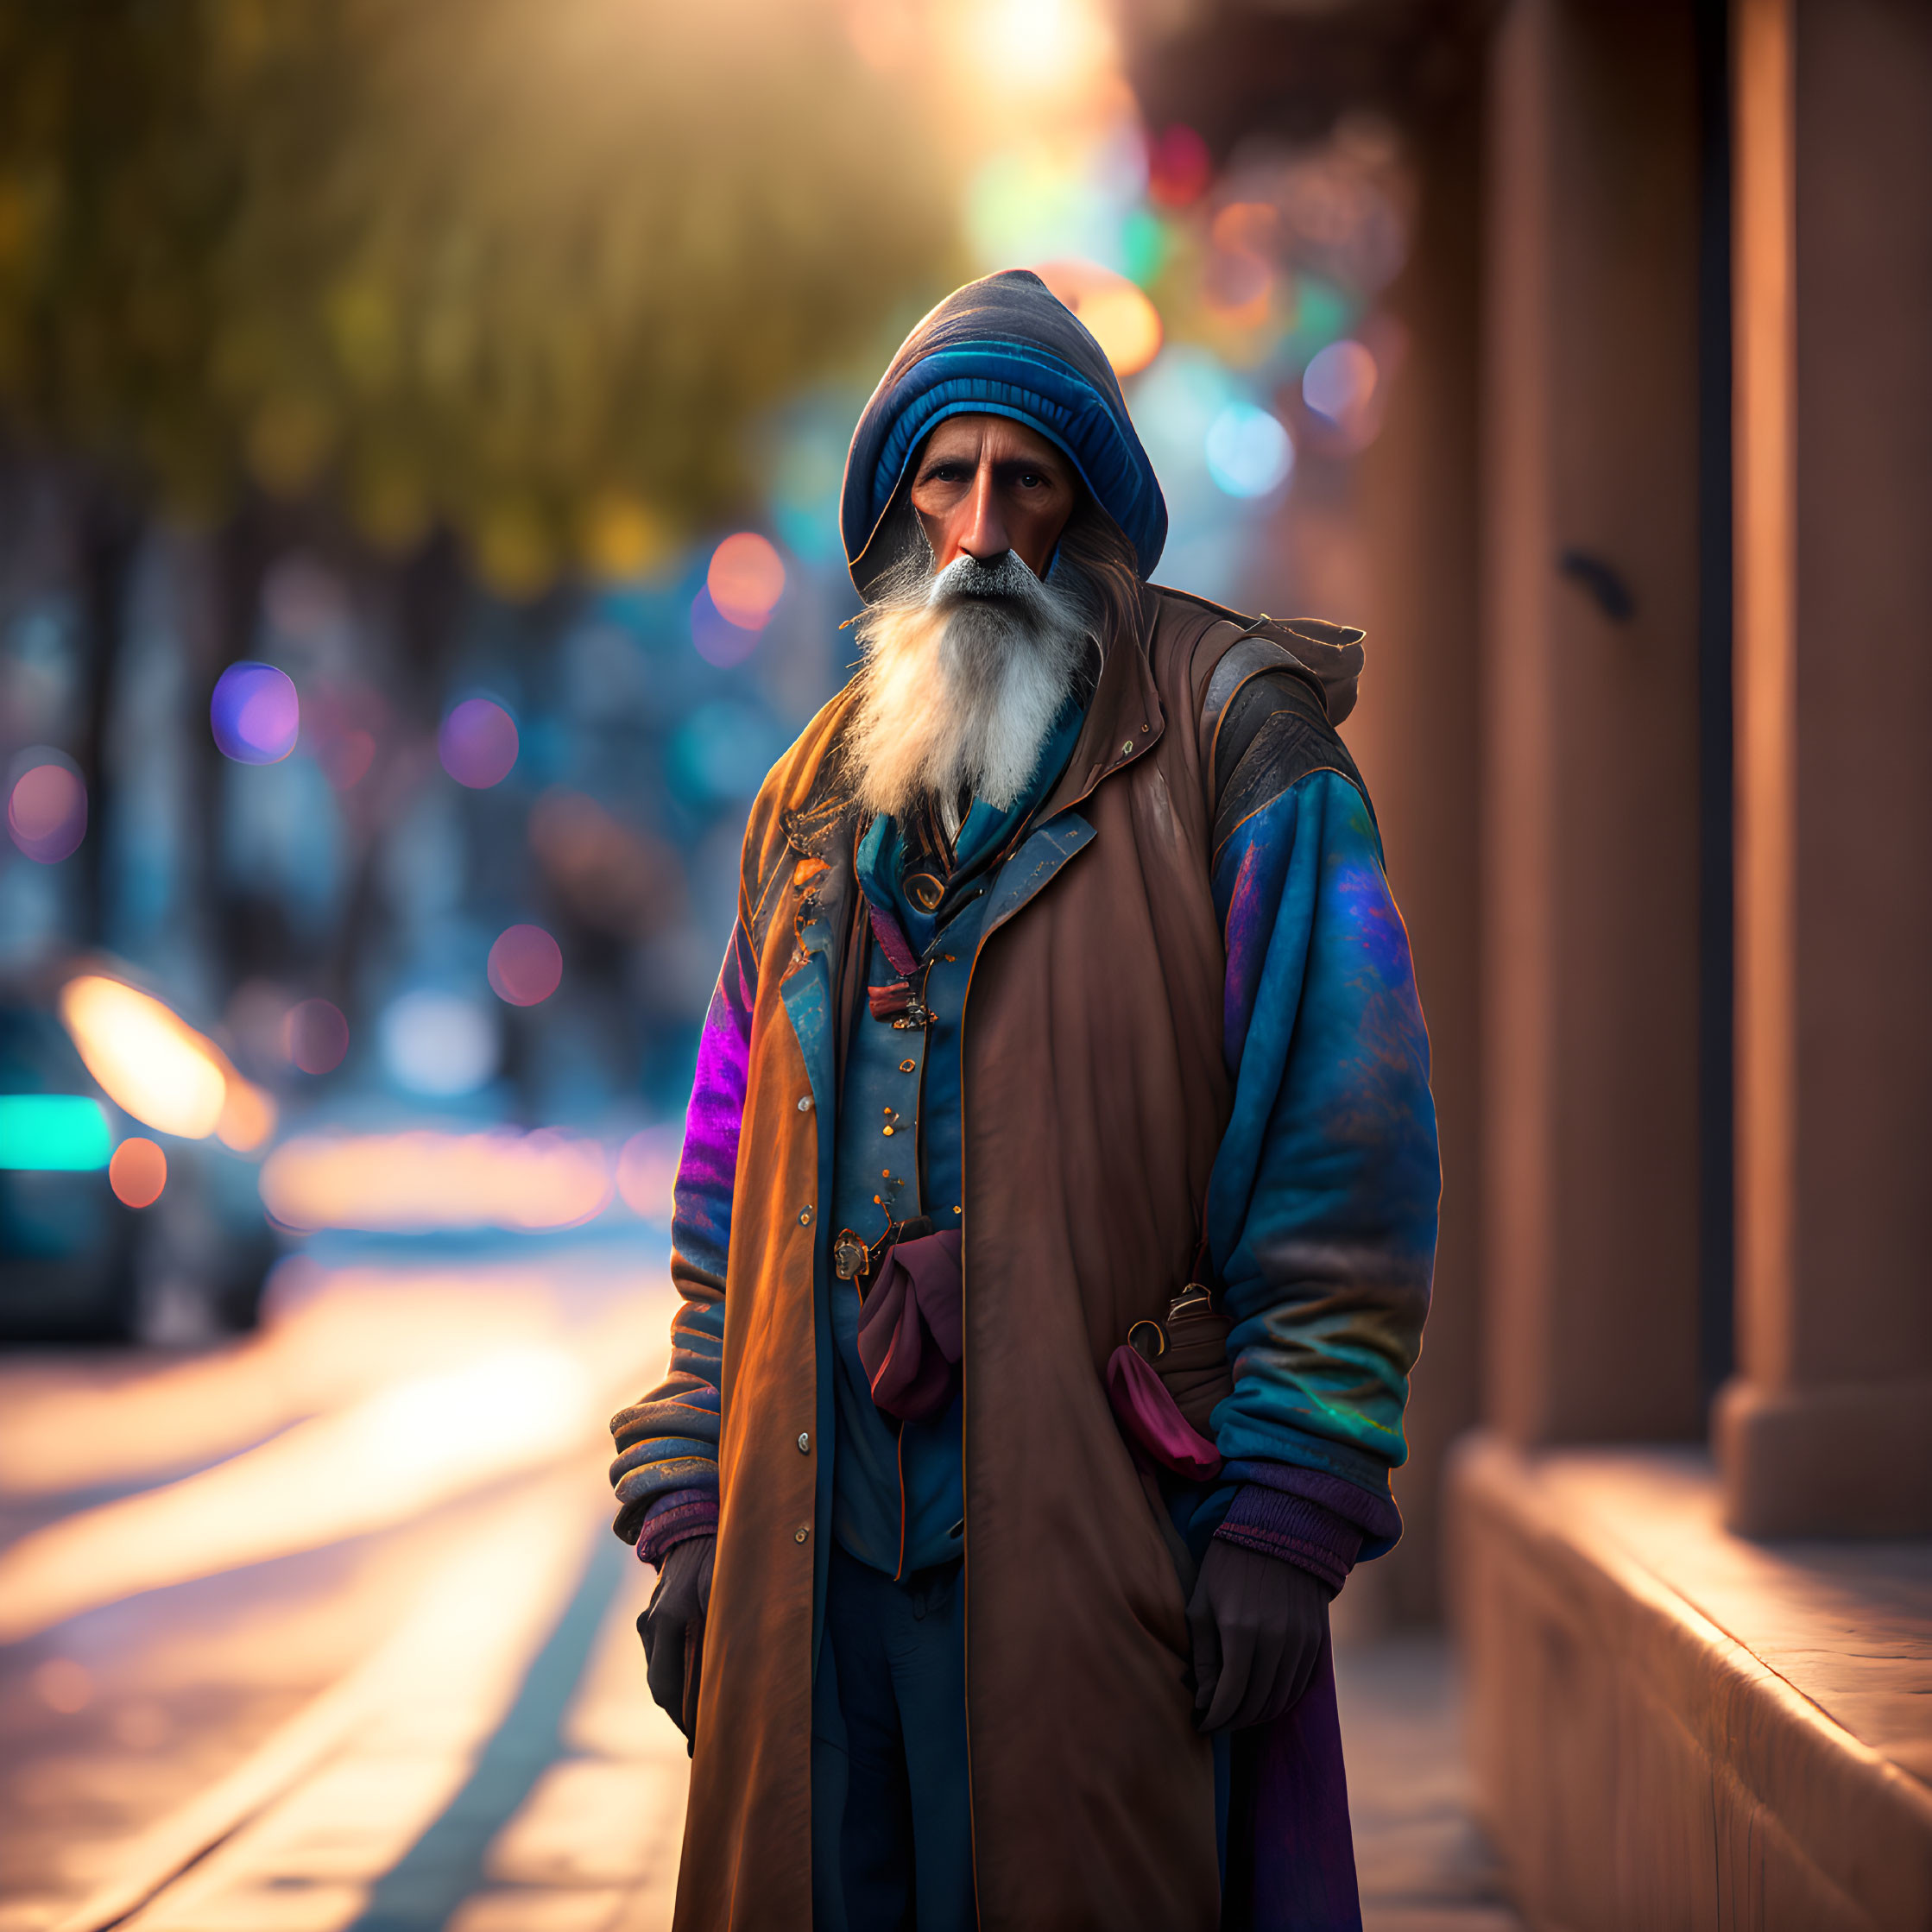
(1258,1624)
(673,1629)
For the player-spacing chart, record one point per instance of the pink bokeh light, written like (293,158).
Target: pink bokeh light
(315,1036)
(47,812)
(525,966)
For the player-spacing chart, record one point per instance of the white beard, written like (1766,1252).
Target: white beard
(964,672)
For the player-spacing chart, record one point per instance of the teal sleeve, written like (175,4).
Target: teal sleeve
(1322,1205)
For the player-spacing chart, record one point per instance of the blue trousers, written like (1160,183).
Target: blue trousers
(892,1831)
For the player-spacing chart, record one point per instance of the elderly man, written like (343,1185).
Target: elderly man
(1055,1219)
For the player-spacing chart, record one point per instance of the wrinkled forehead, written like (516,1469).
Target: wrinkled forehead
(979,438)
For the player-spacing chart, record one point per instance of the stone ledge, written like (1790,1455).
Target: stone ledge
(1671,1727)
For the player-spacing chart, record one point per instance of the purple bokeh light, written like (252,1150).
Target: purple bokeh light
(478,743)
(718,640)
(255,714)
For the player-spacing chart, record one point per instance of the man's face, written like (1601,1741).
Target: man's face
(986,485)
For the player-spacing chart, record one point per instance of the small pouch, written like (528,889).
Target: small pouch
(1164,1380)
(909,1327)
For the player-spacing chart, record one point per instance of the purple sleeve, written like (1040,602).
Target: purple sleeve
(675,1517)
(1319,1522)
(666,1441)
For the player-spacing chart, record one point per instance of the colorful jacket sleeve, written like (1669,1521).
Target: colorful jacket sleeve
(665,1474)
(1322,1203)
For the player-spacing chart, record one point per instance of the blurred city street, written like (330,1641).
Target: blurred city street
(324,1627)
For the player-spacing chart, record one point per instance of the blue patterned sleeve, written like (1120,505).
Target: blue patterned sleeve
(1322,1204)
(667,1443)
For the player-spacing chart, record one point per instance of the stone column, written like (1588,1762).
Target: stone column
(1590,725)
(1416,735)
(1828,1426)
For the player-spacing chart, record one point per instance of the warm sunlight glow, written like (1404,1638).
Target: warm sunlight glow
(386,1459)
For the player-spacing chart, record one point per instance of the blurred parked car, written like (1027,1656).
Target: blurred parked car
(123,1216)
(66,1243)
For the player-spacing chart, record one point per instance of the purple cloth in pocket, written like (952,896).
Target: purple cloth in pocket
(1150,1417)
(909,1329)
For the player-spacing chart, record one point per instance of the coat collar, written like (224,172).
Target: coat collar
(1126,719)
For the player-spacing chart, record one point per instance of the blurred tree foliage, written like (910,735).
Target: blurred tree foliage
(526,268)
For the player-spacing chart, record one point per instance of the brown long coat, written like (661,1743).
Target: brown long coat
(1094,1096)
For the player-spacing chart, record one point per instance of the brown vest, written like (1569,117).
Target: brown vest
(1094,1097)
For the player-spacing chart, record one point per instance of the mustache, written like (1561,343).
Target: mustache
(1004,579)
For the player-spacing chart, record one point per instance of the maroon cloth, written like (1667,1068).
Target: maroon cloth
(891,941)
(1153,1421)
(909,1333)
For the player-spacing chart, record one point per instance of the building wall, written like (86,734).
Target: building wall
(1417,734)
(1589,551)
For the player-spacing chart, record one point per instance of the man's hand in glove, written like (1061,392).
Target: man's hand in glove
(673,1629)
(1257,1623)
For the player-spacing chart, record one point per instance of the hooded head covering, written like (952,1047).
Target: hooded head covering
(1003,346)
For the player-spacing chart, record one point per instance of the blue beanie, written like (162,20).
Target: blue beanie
(1003,346)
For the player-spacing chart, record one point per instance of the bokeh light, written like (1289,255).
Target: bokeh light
(255,714)
(152,1064)
(1118,316)
(478,743)
(1179,167)
(405,1183)
(1339,383)
(525,966)
(438,1044)
(315,1036)
(746,579)
(248,1116)
(46,810)
(138,1172)
(1248,452)
(715,637)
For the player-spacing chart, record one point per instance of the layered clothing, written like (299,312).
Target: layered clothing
(1188,1022)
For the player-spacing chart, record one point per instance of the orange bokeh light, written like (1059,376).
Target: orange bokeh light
(1116,313)
(137,1173)
(746,579)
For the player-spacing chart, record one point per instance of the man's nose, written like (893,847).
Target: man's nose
(984,534)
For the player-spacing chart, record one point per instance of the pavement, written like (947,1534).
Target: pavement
(324,1628)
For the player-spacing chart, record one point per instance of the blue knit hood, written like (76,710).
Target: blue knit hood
(1002,347)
